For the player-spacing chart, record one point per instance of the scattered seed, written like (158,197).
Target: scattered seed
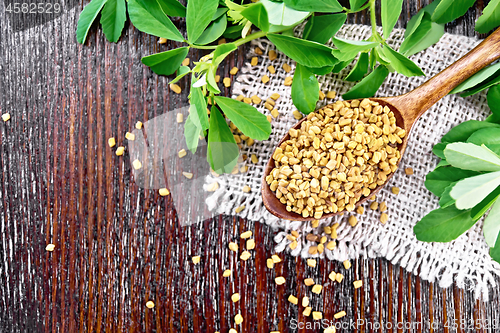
(256,99)
(339,277)
(353,220)
(251,244)
(164,192)
(227,82)
(254,61)
(233,71)
(246,234)
(331,245)
(269,106)
(307,311)
(111,142)
(382,207)
(247,100)
(217,78)
(276,259)
(162,40)
(188,175)
(311,262)
(288,81)
(254,159)
(213,187)
(331,94)
(275,96)
(240,98)
(50,247)
(321,95)
(246,189)
(271,69)
(137,164)
(180,117)
(358,284)
(317,315)
(186,62)
(275,113)
(314,223)
(269,263)
(313,250)
(373,197)
(240,209)
(233,246)
(244,169)
(297,115)
(250,142)
(227,273)
(317,289)
(409,171)
(308,282)
(265,79)
(384,218)
(182,153)
(138,125)
(293,245)
(119,151)
(330,329)
(196,259)
(238,319)
(339,315)
(332,276)
(280,280)
(321,248)
(395,190)
(360,210)
(150,304)
(347,264)
(292,299)
(235,297)
(287,68)
(272,55)
(232,330)
(374,205)
(175,88)
(130,136)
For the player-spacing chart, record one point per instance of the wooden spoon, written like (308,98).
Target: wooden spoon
(407,109)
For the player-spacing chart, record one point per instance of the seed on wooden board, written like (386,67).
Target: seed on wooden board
(217,78)
(297,115)
(330,329)
(276,259)
(339,315)
(287,68)
(227,273)
(182,153)
(245,255)
(246,234)
(409,171)
(196,259)
(271,69)
(339,277)
(292,299)
(288,81)
(305,301)
(137,164)
(347,264)
(311,262)
(120,150)
(265,79)
(395,190)
(308,282)
(232,330)
(269,263)
(272,55)
(238,319)
(256,99)
(186,62)
(317,289)
(188,175)
(111,142)
(307,311)
(164,192)
(317,315)
(332,276)
(50,247)
(275,96)
(150,304)
(235,297)
(180,117)
(213,187)
(233,71)
(175,88)
(251,244)
(254,61)
(280,280)
(384,218)
(353,220)
(227,82)
(358,284)
(233,246)
(130,136)
(138,125)
(162,40)
(246,189)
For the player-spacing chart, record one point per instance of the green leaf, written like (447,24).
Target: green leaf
(319,6)
(307,53)
(486,136)
(348,49)
(438,149)
(321,28)
(369,85)
(482,76)
(414,23)
(222,51)
(257,14)
(493,98)
(442,163)
(356,4)
(471,191)
(321,70)
(389,12)
(494,80)
(402,64)
(223,151)
(340,66)
(213,32)
(305,90)
(490,18)
(478,211)
(248,120)
(360,69)
(422,36)
(181,72)
(198,108)
(446,199)
(87,17)
(442,177)
(233,32)
(464,130)
(198,16)
(191,134)
(449,10)
(469,156)
(166,63)
(113,18)
(443,225)
(172,8)
(148,17)
(495,251)
(281,16)
(211,84)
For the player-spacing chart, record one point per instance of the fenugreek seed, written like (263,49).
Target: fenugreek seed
(251,244)
(297,115)
(265,79)
(353,220)
(332,276)
(50,247)
(233,71)
(287,68)
(311,262)
(321,248)
(317,315)
(186,62)
(175,88)
(120,150)
(232,330)
(321,95)
(360,210)
(137,164)
(217,78)
(331,94)
(227,82)
(235,297)
(293,245)
(409,171)
(233,246)
(317,289)
(240,98)
(111,142)
(254,61)
(269,263)
(339,277)
(276,259)
(395,190)
(162,40)
(246,234)
(275,113)
(254,159)
(384,218)
(138,125)
(308,282)
(269,106)
(339,315)
(382,207)
(246,189)
(130,136)
(330,329)
(164,192)
(292,299)
(227,273)
(180,117)
(239,209)
(288,81)
(272,55)
(256,99)
(196,259)
(331,245)
(305,301)
(258,51)
(188,175)
(182,153)
(374,205)
(150,304)
(245,255)
(271,69)
(314,223)
(275,96)
(280,280)
(358,284)
(313,250)
(213,187)
(347,264)
(307,311)
(250,142)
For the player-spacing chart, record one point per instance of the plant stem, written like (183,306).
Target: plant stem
(201,47)
(373,21)
(248,38)
(348,11)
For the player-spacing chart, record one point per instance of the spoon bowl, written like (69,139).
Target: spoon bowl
(407,109)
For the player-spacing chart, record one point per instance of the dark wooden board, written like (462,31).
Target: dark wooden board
(118,245)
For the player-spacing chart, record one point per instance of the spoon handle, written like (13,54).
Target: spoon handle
(413,104)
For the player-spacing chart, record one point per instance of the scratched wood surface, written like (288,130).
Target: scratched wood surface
(118,246)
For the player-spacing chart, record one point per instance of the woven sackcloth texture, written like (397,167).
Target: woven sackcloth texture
(465,261)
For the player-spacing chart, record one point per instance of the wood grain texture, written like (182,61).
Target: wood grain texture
(118,246)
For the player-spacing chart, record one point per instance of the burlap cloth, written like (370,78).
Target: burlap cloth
(465,261)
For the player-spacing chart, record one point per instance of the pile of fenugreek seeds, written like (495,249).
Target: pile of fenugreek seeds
(340,153)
